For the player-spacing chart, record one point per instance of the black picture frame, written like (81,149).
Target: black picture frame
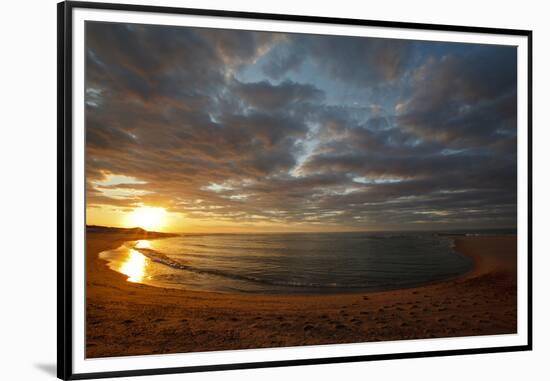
(65,182)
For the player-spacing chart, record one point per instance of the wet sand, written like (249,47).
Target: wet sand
(125,318)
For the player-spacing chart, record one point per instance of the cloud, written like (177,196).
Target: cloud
(238,126)
(266,96)
(170,63)
(468,100)
(358,61)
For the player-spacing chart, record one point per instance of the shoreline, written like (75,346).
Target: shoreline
(474,271)
(124,318)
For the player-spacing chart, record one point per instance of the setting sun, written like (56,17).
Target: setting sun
(148,218)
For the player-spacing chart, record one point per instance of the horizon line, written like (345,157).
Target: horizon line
(310,232)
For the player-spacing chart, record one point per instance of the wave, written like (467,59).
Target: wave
(163,259)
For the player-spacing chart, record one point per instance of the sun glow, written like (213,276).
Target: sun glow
(148,218)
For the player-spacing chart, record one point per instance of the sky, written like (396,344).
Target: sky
(210,130)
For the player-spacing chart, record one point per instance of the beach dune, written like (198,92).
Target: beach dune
(124,318)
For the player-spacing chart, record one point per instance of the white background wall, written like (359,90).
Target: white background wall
(28,188)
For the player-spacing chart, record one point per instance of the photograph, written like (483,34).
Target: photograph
(249,189)
(243,191)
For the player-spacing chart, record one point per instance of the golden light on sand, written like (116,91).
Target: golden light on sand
(148,218)
(134,266)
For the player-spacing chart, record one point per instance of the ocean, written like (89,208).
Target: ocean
(295,263)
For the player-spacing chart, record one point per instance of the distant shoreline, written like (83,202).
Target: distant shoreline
(136,231)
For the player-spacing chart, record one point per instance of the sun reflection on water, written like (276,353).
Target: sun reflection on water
(134,266)
(143,244)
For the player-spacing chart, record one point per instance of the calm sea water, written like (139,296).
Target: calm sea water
(319,263)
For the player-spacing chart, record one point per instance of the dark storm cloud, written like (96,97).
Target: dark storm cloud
(171,108)
(266,96)
(166,62)
(464,100)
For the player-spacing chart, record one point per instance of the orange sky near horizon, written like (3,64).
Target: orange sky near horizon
(159,219)
(126,207)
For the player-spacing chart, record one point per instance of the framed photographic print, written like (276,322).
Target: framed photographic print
(243,190)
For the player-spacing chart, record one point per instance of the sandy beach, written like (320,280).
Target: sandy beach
(125,318)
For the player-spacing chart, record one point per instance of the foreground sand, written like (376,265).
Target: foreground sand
(125,318)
